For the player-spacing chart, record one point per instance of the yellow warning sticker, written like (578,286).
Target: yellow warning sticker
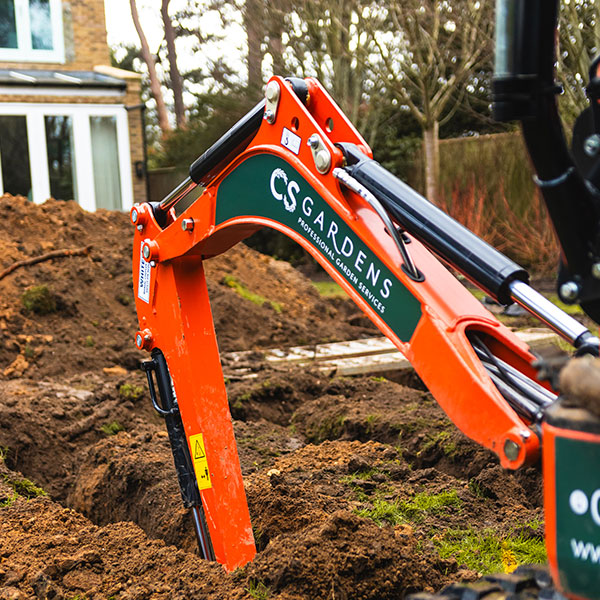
(200,461)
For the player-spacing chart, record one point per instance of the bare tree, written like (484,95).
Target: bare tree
(174,73)
(427,57)
(155,88)
(254,19)
(329,40)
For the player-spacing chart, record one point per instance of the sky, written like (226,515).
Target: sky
(120,27)
(121,31)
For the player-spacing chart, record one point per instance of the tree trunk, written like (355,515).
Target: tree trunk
(431,147)
(161,109)
(174,74)
(254,25)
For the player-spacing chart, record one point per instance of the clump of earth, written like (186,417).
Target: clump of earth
(358,487)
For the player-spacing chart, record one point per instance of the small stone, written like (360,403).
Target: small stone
(116,370)
(16,368)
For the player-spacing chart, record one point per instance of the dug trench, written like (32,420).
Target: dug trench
(357,487)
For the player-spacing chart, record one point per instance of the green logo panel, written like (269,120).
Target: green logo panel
(267,186)
(578,516)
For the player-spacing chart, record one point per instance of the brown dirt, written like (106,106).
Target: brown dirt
(315,451)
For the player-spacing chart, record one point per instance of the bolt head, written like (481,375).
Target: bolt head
(139,340)
(140,228)
(322,161)
(187,224)
(272,92)
(269,116)
(134,215)
(313,141)
(591,146)
(146,251)
(569,291)
(511,450)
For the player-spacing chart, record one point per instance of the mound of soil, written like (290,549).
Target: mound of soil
(86,319)
(354,485)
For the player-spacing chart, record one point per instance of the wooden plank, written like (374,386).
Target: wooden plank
(371,355)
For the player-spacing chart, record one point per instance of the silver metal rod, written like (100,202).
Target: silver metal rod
(364,193)
(545,396)
(202,534)
(558,320)
(184,188)
(519,403)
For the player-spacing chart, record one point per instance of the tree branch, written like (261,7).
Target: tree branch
(44,257)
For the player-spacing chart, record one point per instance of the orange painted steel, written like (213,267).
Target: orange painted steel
(176,309)
(551,436)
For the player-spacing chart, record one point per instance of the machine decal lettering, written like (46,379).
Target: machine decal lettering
(200,461)
(144,279)
(266,186)
(578,516)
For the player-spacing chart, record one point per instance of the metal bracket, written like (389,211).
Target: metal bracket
(272,95)
(321,154)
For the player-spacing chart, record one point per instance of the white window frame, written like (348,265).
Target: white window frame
(24,52)
(82,152)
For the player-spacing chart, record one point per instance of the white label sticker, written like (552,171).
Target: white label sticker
(291,141)
(144,279)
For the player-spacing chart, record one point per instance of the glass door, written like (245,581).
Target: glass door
(15,169)
(61,159)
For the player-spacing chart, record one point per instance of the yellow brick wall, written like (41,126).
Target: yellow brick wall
(86,47)
(136,137)
(84,27)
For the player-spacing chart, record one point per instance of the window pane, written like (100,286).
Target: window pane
(61,160)
(105,155)
(14,156)
(41,25)
(8,25)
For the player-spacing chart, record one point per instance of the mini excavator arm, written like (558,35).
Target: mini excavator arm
(297,165)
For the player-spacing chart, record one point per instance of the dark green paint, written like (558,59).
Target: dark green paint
(578,468)
(247,192)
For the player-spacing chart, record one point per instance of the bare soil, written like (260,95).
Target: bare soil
(318,454)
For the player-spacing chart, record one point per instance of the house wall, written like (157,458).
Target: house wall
(86,49)
(84,26)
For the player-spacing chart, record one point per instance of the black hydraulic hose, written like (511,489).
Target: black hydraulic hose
(447,238)
(229,144)
(527,389)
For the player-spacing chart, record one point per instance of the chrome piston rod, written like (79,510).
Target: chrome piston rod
(559,321)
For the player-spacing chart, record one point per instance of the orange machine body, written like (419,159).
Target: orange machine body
(572,500)
(275,183)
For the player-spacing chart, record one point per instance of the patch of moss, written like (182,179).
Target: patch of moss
(487,552)
(24,487)
(329,289)
(131,392)
(570,309)
(88,342)
(8,501)
(258,590)
(112,428)
(39,300)
(371,420)
(414,510)
(326,429)
(245,293)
